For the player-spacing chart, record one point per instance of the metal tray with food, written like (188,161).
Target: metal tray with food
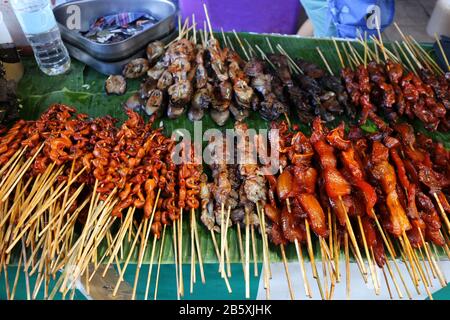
(114,30)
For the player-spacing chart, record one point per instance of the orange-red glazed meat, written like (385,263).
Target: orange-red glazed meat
(316,216)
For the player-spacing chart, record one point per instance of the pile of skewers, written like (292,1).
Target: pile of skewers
(65,170)
(70,184)
(185,77)
(188,77)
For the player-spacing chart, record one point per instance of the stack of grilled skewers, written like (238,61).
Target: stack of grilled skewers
(70,184)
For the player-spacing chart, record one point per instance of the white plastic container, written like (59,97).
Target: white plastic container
(440,19)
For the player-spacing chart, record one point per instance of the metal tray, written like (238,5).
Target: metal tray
(90,10)
(110,67)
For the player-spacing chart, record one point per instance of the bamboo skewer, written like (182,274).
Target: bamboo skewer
(159,262)
(27,279)
(150,266)
(324,271)
(199,252)
(298,248)
(442,211)
(180,253)
(227,254)
(347,266)
(241,246)
(286,269)
(119,281)
(444,56)
(325,61)
(312,259)
(369,260)
(16,279)
(175,253)
(255,255)
(247,256)
(193,270)
(208,21)
(266,263)
(352,237)
(140,258)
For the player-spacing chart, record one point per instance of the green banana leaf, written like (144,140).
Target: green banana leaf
(83,88)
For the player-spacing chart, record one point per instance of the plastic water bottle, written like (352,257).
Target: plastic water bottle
(39,25)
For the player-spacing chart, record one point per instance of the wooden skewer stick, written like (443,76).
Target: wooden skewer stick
(330,234)
(441,276)
(193,269)
(409,63)
(380,38)
(227,253)
(247,256)
(224,38)
(387,284)
(358,263)
(324,270)
(442,211)
(312,259)
(241,246)
(16,279)
(266,263)
(337,247)
(366,48)
(391,273)
(140,258)
(216,247)
(388,53)
(230,43)
(150,268)
(27,278)
(12,162)
(195,29)
(255,254)
(347,266)
(241,45)
(418,266)
(436,67)
(421,257)
(352,236)
(286,269)
(180,249)
(434,268)
(120,237)
(375,272)
(270,45)
(298,248)
(161,250)
(353,64)
(442,51)
(422,58)
(407,256)
(357,58)
(416,262)
(175,251)
(325,61)
(339,53)
(222,241)
(251,51)
(199,251)
(369,260)
(208,21)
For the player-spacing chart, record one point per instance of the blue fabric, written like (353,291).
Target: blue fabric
(353,18)
(319,14)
